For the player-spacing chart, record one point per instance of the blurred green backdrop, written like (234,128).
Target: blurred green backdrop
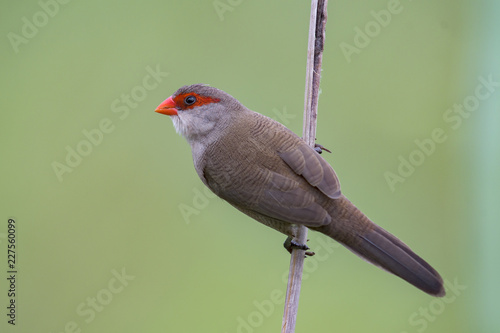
(103,245)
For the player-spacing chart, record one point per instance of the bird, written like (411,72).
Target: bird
(269,173)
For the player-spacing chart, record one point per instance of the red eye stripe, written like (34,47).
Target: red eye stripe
(200,100)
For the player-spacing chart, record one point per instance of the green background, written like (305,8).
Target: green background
(119,209)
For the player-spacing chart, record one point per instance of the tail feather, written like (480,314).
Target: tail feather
(354,230)
(386,251)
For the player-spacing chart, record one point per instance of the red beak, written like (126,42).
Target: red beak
(167,107)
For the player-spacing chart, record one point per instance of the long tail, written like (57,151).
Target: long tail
(363,237)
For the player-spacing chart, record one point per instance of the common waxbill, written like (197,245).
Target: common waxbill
(267,172)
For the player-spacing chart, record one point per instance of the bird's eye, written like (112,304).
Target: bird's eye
(190,100)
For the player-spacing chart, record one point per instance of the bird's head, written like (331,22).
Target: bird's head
(199,110)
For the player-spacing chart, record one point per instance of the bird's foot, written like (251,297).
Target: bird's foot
(290,244)
(319,148)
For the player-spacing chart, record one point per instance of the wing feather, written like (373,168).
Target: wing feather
(306,162)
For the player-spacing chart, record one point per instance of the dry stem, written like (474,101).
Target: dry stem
(317,25)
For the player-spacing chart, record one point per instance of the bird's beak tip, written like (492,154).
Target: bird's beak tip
(167,107)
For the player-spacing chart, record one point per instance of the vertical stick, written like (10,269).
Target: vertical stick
(317,25)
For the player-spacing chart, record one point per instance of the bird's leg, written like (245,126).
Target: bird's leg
(319,148)
(290,244)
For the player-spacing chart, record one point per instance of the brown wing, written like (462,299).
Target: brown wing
(270,182)
(273,195)
(306,162)
(285,200)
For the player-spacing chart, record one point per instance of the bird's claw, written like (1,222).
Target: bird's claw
(319,148)
(291,244)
